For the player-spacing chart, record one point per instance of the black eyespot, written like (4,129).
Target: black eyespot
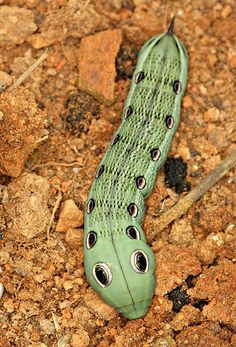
(99,171)
(169,122)
(133,210)
(90,205)
(128,112)
(139,77)
(139,261)
(91,239)
(115,139)
(140,182)
(133,233)
(177,87)
(155,154)
(102,274)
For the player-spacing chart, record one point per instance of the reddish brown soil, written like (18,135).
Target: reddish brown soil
(46,299)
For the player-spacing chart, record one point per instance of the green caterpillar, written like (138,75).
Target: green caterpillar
(119,264)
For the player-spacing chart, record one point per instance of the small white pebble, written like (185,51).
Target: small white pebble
(76,170)
(1,290)
(229,227)
(217,239)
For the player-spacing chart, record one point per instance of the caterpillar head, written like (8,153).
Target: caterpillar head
(121,270)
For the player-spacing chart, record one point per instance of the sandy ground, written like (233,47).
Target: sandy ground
(55,129)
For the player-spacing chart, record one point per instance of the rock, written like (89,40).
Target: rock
(64,341)
(231,57)
(211,163)
(69,284)
(211,247)
(166,341)
(5,80)
(27,212)
(4,257)
(187,101)
(96,64)
(76,20)
(181,232)
(183,151)
(21,125)
(74,238)
(80,338)
(213,218)
(218,136)
(227,10)
(71,217)
(47,326)
(16,25)
(205,147)
(82,315)
(212,115)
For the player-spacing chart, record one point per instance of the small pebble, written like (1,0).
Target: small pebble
(71,217)
(211,115)
(5,80)
(187,101)
(47,326)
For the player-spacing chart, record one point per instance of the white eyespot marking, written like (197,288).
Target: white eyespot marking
(99,171)
(140,182)
(133,210)
(139,77)
(169,122)
(91,239)
(177,87)
(115,139)
(102,274)
(90,206)
(128,112)
(139,261)
(133,233)
(155,154)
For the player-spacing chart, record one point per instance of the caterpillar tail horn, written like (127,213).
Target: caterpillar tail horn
(170,30)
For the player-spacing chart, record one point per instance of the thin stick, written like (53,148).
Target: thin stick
(53,163)
(28,72)
(184,204)
(56,206)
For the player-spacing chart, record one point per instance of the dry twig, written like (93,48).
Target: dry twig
(28,72)
(56,206)
(185,203)
(54,163)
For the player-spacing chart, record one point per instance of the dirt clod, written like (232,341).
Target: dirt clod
(21,126)
(96,64)
(26,208)
(75,19)
(70,217)
(16,25)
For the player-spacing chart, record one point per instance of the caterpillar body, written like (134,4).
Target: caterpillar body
(119,264)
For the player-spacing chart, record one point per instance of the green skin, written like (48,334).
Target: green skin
(163,60)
